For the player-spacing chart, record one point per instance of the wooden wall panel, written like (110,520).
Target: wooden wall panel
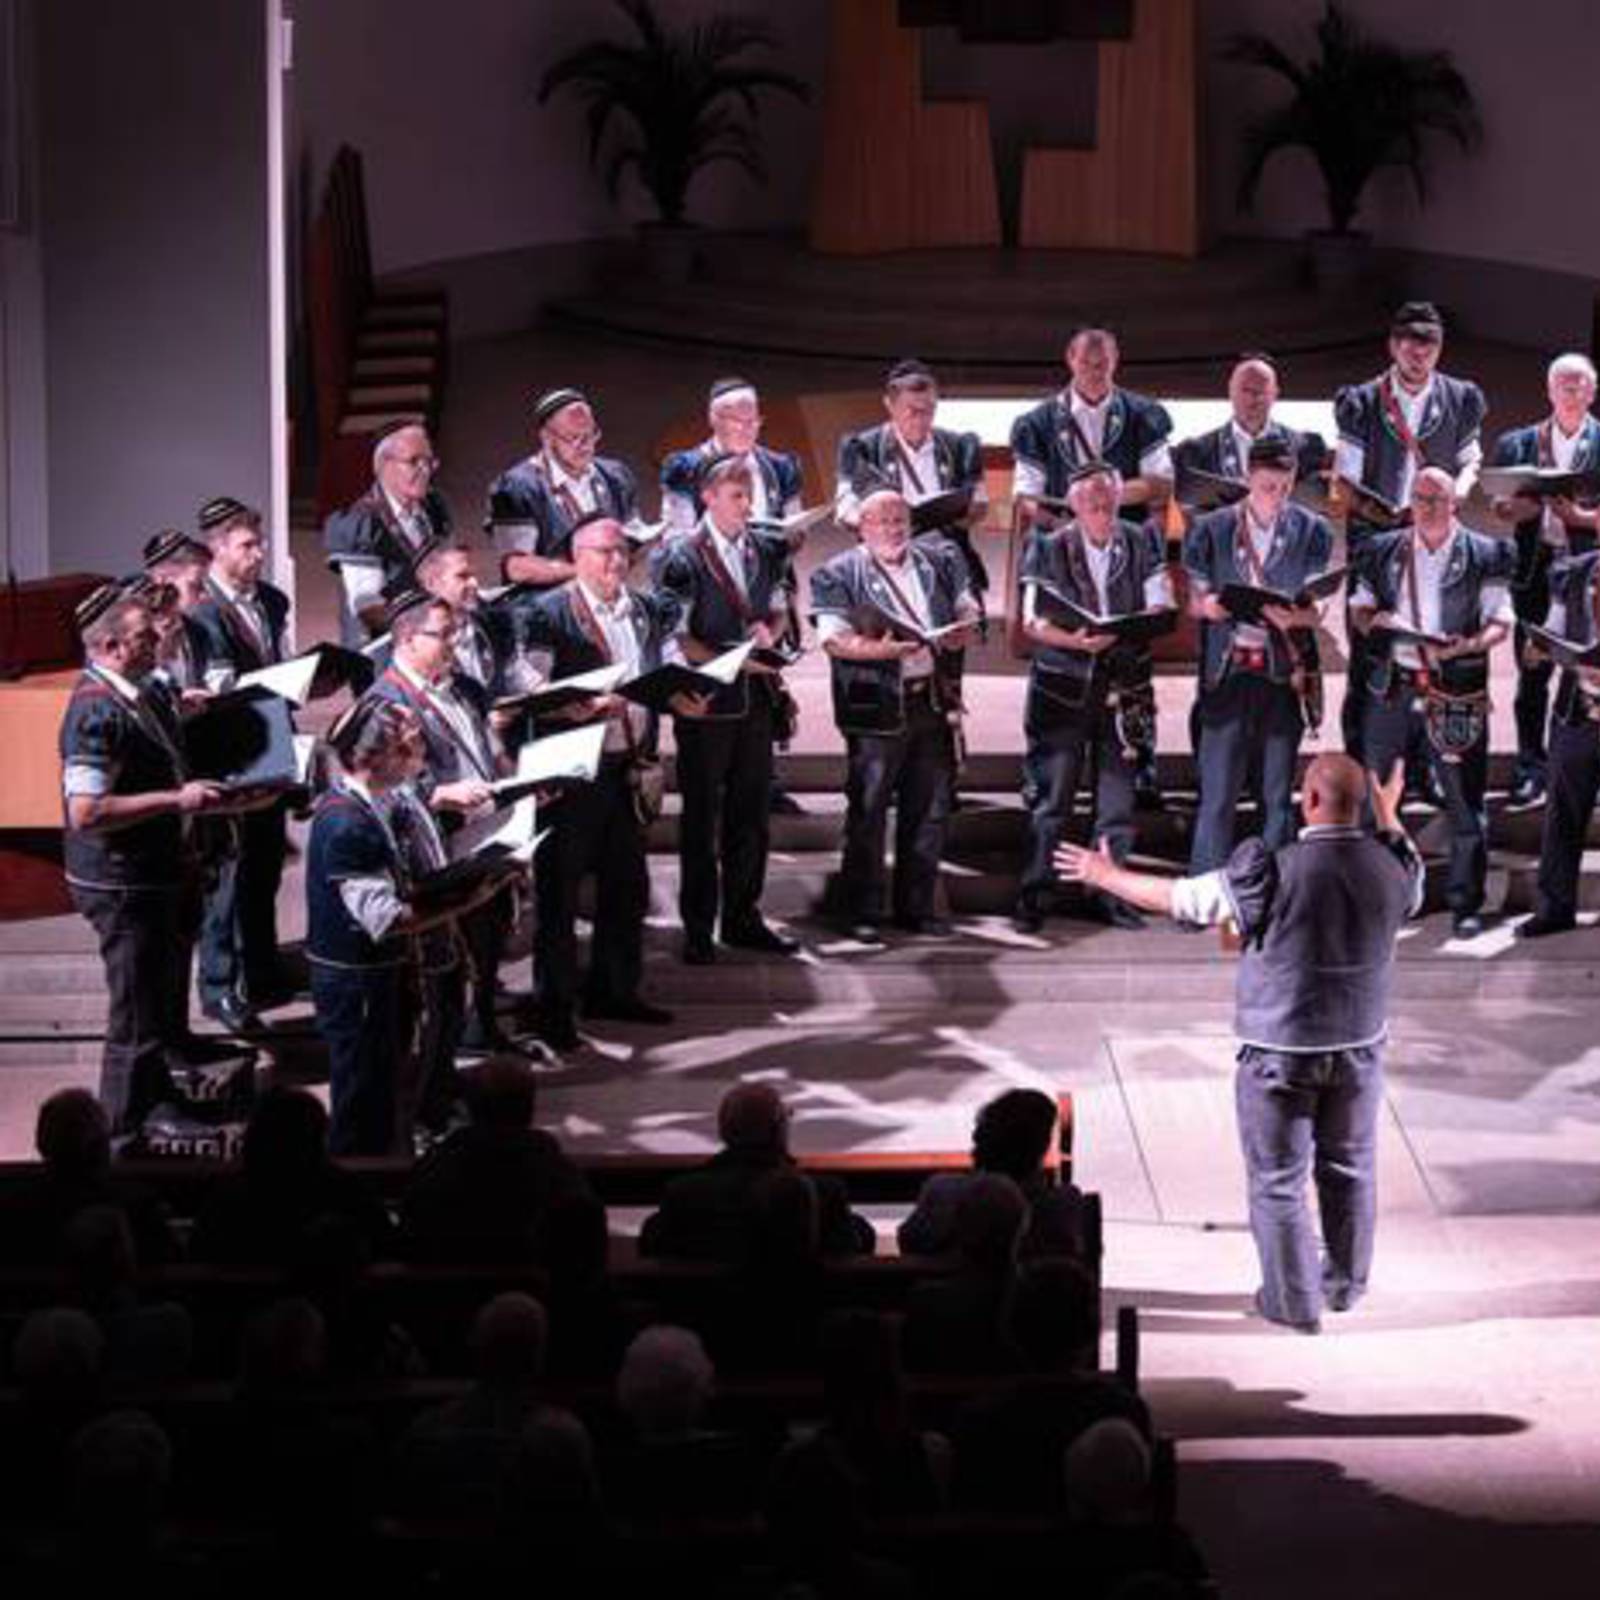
(1138,189)
(895,173)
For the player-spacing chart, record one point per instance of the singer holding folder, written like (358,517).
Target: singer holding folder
(894,617)
(595,621)
(729,584)
(1089,704)
(1256,671)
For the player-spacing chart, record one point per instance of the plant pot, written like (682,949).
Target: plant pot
(1338,261)
(671,250)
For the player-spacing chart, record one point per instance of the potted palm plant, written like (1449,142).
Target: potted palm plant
(680,99)
(1357,105)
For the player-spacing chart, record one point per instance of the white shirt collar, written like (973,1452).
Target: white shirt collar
(401,513)
(123,686)
(1445,545)
(1094,408)
(230,593)
(561,478)
(1411,401)
(912,449)
(357,786)
(418,682)
(619,608)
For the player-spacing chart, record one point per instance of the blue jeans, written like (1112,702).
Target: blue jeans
(1300,1116)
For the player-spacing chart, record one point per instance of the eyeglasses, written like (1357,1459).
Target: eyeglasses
(577,441)
(446,634)
(417,463)
(1435,499)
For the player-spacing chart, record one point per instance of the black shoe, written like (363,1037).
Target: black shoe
(1119,914)
(1543,923)
(863,930)
(633,1009)
(1526,793)
(480,1040)
(1026,917)
(926,927)
(698,950)
(782,804)
(233,1014)
(1466,925)
(758,936)
(559,1032)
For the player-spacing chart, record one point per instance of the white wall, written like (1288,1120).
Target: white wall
(460,158)
(153,233)
(462,161)
(1527,196)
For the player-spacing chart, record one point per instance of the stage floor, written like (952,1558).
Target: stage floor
(1443,1438)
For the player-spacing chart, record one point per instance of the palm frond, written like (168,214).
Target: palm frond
(686,96)
(1357,105)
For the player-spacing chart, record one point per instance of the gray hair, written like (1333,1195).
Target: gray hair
(1571,361)
(380,451)
(665,1380)
(109,624)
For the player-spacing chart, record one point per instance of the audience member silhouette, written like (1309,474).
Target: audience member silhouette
(707,1215)
(72,1136)
(667,1465)
(1009,1442)
(1012,1136)
(959,1323)
(286,1182)
(482,1194)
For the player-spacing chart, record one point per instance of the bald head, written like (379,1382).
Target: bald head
(1334,789)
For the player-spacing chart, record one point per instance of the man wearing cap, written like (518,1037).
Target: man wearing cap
(1318,918)
(370,841)
(489,638)
(245,621)
(1254,678)
(1547,531)
(919,461)
(893,701)
(1574,771)
(1409,417)
(535,505)
(1224,452)
(729,584)
(734,412)
(128,803)
(462,757)
(1095,419)
(177,564)
(1077,678)
(373,544)
(596,621)
(1435,581)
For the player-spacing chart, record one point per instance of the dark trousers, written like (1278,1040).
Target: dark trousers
(140,933)
(430,1086)
(912,771)
(1531,600)
(365,1017)
(1061,744)
(724,777)
(484,933)
(1391,726)
(596,832)
(1246,722)
(1310,1116)
(1358,540)
(239,931)
(1574,784)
